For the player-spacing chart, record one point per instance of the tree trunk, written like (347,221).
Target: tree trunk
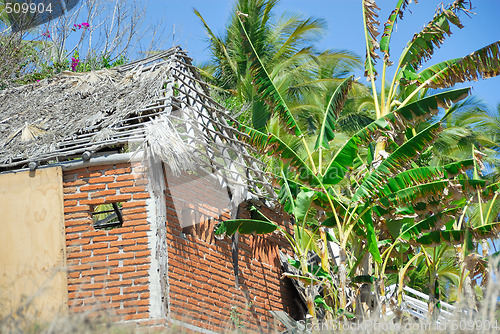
(343,279)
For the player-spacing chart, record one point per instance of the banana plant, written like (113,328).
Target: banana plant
(372,184)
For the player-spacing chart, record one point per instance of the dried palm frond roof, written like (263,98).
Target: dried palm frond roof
(159,100)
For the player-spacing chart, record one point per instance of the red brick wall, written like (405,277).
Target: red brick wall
(201,274)
(110,269)
(107,269)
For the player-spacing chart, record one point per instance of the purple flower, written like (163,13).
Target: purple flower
(74,63)
(85,25)
(46,34)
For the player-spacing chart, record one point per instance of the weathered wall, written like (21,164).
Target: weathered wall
(108,268)
(112,269)
(32,252)
(201,273)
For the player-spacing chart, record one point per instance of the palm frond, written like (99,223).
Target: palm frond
(481,64)
(389,26)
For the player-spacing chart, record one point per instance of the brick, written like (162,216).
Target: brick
(98,300)
(125,177)
(80,170)
(124,283)
(86,175)
(136,274)
(136,303)
(95,246)
(118,198)
(141,181)
(120,184)
(142,280)
(74,183)
(105,251)
(79,255)
(125,297)
(69,190)
(77,222)
(143,267)
(93,201)
(95,233)
(77,306)
(118,171)
(121,230)
(70,202)
(105,238)
(73,249)
(133,204)
(78,208)
(102,179)
(143,223)
(134,235)
(141,196)
(79,268)
(73,262)
(92,286)
(76,196)
(76,216)
(142,254)
(134,210)
(132,189)
(112,291)
(121,243)
(79,281)
(100,167)
(79,294)
(103,193)
(142,227)
(94,259)
(73,274)
(107,278)
(136,288)
(136,316)
(95,272)
(135,216)
(125,311)
(135,248)
(122,270)
(136,261)
(69,176)
(91,187)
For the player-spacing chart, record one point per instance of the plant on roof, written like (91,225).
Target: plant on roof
(105,34)
(372,198)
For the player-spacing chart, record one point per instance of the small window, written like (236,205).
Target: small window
(107,216)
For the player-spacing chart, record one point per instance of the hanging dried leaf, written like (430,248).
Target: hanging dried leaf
(389,26)
(371,32)
(423,44)
(481,64)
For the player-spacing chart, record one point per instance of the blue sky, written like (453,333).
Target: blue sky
(345,30)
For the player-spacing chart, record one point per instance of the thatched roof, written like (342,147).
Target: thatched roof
(159,100)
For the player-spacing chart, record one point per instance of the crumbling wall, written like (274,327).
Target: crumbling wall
(201,272)
(108,269)
(116,270)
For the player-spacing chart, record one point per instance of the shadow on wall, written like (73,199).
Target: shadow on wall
(201,270)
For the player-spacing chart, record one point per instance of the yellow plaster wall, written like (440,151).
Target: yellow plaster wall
(32,243)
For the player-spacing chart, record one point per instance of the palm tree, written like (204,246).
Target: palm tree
(286,46)
(371,191)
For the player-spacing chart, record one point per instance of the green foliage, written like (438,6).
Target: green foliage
(48,70)
(373,194)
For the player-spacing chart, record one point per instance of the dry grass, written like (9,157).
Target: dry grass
(483,320)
